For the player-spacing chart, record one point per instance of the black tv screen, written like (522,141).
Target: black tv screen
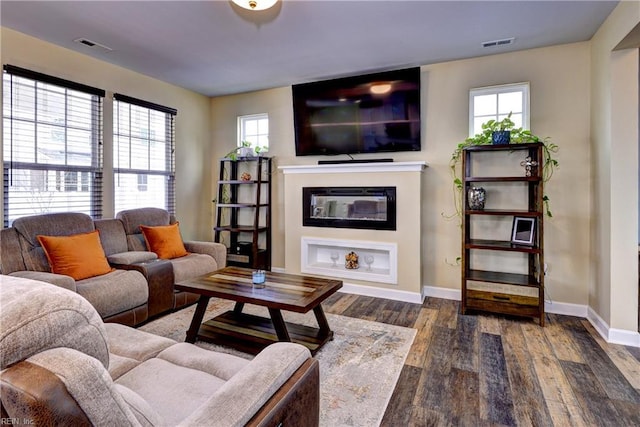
(371,113)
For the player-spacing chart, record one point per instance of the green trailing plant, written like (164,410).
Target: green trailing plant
(233,154)
(518,136)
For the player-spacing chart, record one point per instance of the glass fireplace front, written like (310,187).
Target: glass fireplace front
(371,208)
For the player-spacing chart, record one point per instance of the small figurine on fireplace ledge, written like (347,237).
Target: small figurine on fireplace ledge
(351,261)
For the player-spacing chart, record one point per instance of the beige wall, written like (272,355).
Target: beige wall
(559,76)
(192,126)
(613,293)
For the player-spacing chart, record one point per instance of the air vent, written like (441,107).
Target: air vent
(92,44)
(501,42)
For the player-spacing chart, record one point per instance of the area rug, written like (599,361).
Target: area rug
(359,368)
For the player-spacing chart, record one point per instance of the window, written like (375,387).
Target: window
(143,154)
(496,102)
(52,135)
(254,129)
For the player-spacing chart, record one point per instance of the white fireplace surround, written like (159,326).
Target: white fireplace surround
(396,271)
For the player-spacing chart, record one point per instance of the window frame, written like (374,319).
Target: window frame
(68,91)
(242,125)
(168,171)
(523,87)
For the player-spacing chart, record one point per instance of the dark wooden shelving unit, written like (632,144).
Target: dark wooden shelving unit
(243,211)
(491,297)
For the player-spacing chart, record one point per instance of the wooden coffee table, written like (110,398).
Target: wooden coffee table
(250,333)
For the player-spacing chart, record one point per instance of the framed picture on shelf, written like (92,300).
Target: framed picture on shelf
(523,231)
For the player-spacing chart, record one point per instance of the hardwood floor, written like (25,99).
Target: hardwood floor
(484,370)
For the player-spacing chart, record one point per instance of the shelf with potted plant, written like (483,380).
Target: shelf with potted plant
(243,207)
(485,285)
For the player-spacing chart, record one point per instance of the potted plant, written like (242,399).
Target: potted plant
(518,136)
(246,150)
(500,130)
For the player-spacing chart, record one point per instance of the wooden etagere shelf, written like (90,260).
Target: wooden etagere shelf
(498,290)
(243,211)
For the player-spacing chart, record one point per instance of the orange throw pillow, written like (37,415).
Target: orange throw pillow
(164,240)
(80,255)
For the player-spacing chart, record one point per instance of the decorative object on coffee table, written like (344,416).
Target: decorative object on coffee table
(351,261)
(258,278)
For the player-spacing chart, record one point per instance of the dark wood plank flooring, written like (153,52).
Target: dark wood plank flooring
(485,370)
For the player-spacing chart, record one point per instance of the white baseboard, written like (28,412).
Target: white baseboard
(568,309)
(444,293)
(612,335)
(371,291)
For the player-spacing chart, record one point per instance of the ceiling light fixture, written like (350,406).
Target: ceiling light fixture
(380,88)
(255,4)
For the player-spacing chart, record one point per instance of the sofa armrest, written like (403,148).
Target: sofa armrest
(131,257)
(61,280)
(241,398)
(217,250)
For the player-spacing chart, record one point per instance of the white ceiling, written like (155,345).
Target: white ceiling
(216,48)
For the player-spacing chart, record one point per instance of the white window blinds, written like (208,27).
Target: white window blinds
(143,154)
(52,152)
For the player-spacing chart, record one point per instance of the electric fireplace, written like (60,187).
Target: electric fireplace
(372,208)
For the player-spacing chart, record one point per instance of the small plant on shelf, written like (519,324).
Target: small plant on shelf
(518,136)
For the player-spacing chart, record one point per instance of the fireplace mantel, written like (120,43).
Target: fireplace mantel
(355,167)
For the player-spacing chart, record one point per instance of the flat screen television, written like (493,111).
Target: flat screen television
(370,113)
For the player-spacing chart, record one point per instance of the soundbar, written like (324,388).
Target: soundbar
(336,162)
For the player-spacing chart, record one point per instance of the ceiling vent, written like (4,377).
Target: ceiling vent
(501,42)
(92,44)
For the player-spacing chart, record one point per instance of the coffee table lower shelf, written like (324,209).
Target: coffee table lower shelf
(251,334)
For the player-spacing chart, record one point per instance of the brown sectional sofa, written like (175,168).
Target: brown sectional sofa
(61,365)
(140,287)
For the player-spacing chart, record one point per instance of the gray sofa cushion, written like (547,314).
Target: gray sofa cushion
(55,224)
(220,365)
(120,365)
(133,218)
(233,404)
(192,265)
(135,344)
(61,280)
(112,235)
(192,386)
(115,292)
(144,413)
(36,316)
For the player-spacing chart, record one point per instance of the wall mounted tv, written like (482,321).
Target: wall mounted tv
(371,113)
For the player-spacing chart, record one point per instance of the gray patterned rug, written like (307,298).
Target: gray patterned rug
(358,369)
